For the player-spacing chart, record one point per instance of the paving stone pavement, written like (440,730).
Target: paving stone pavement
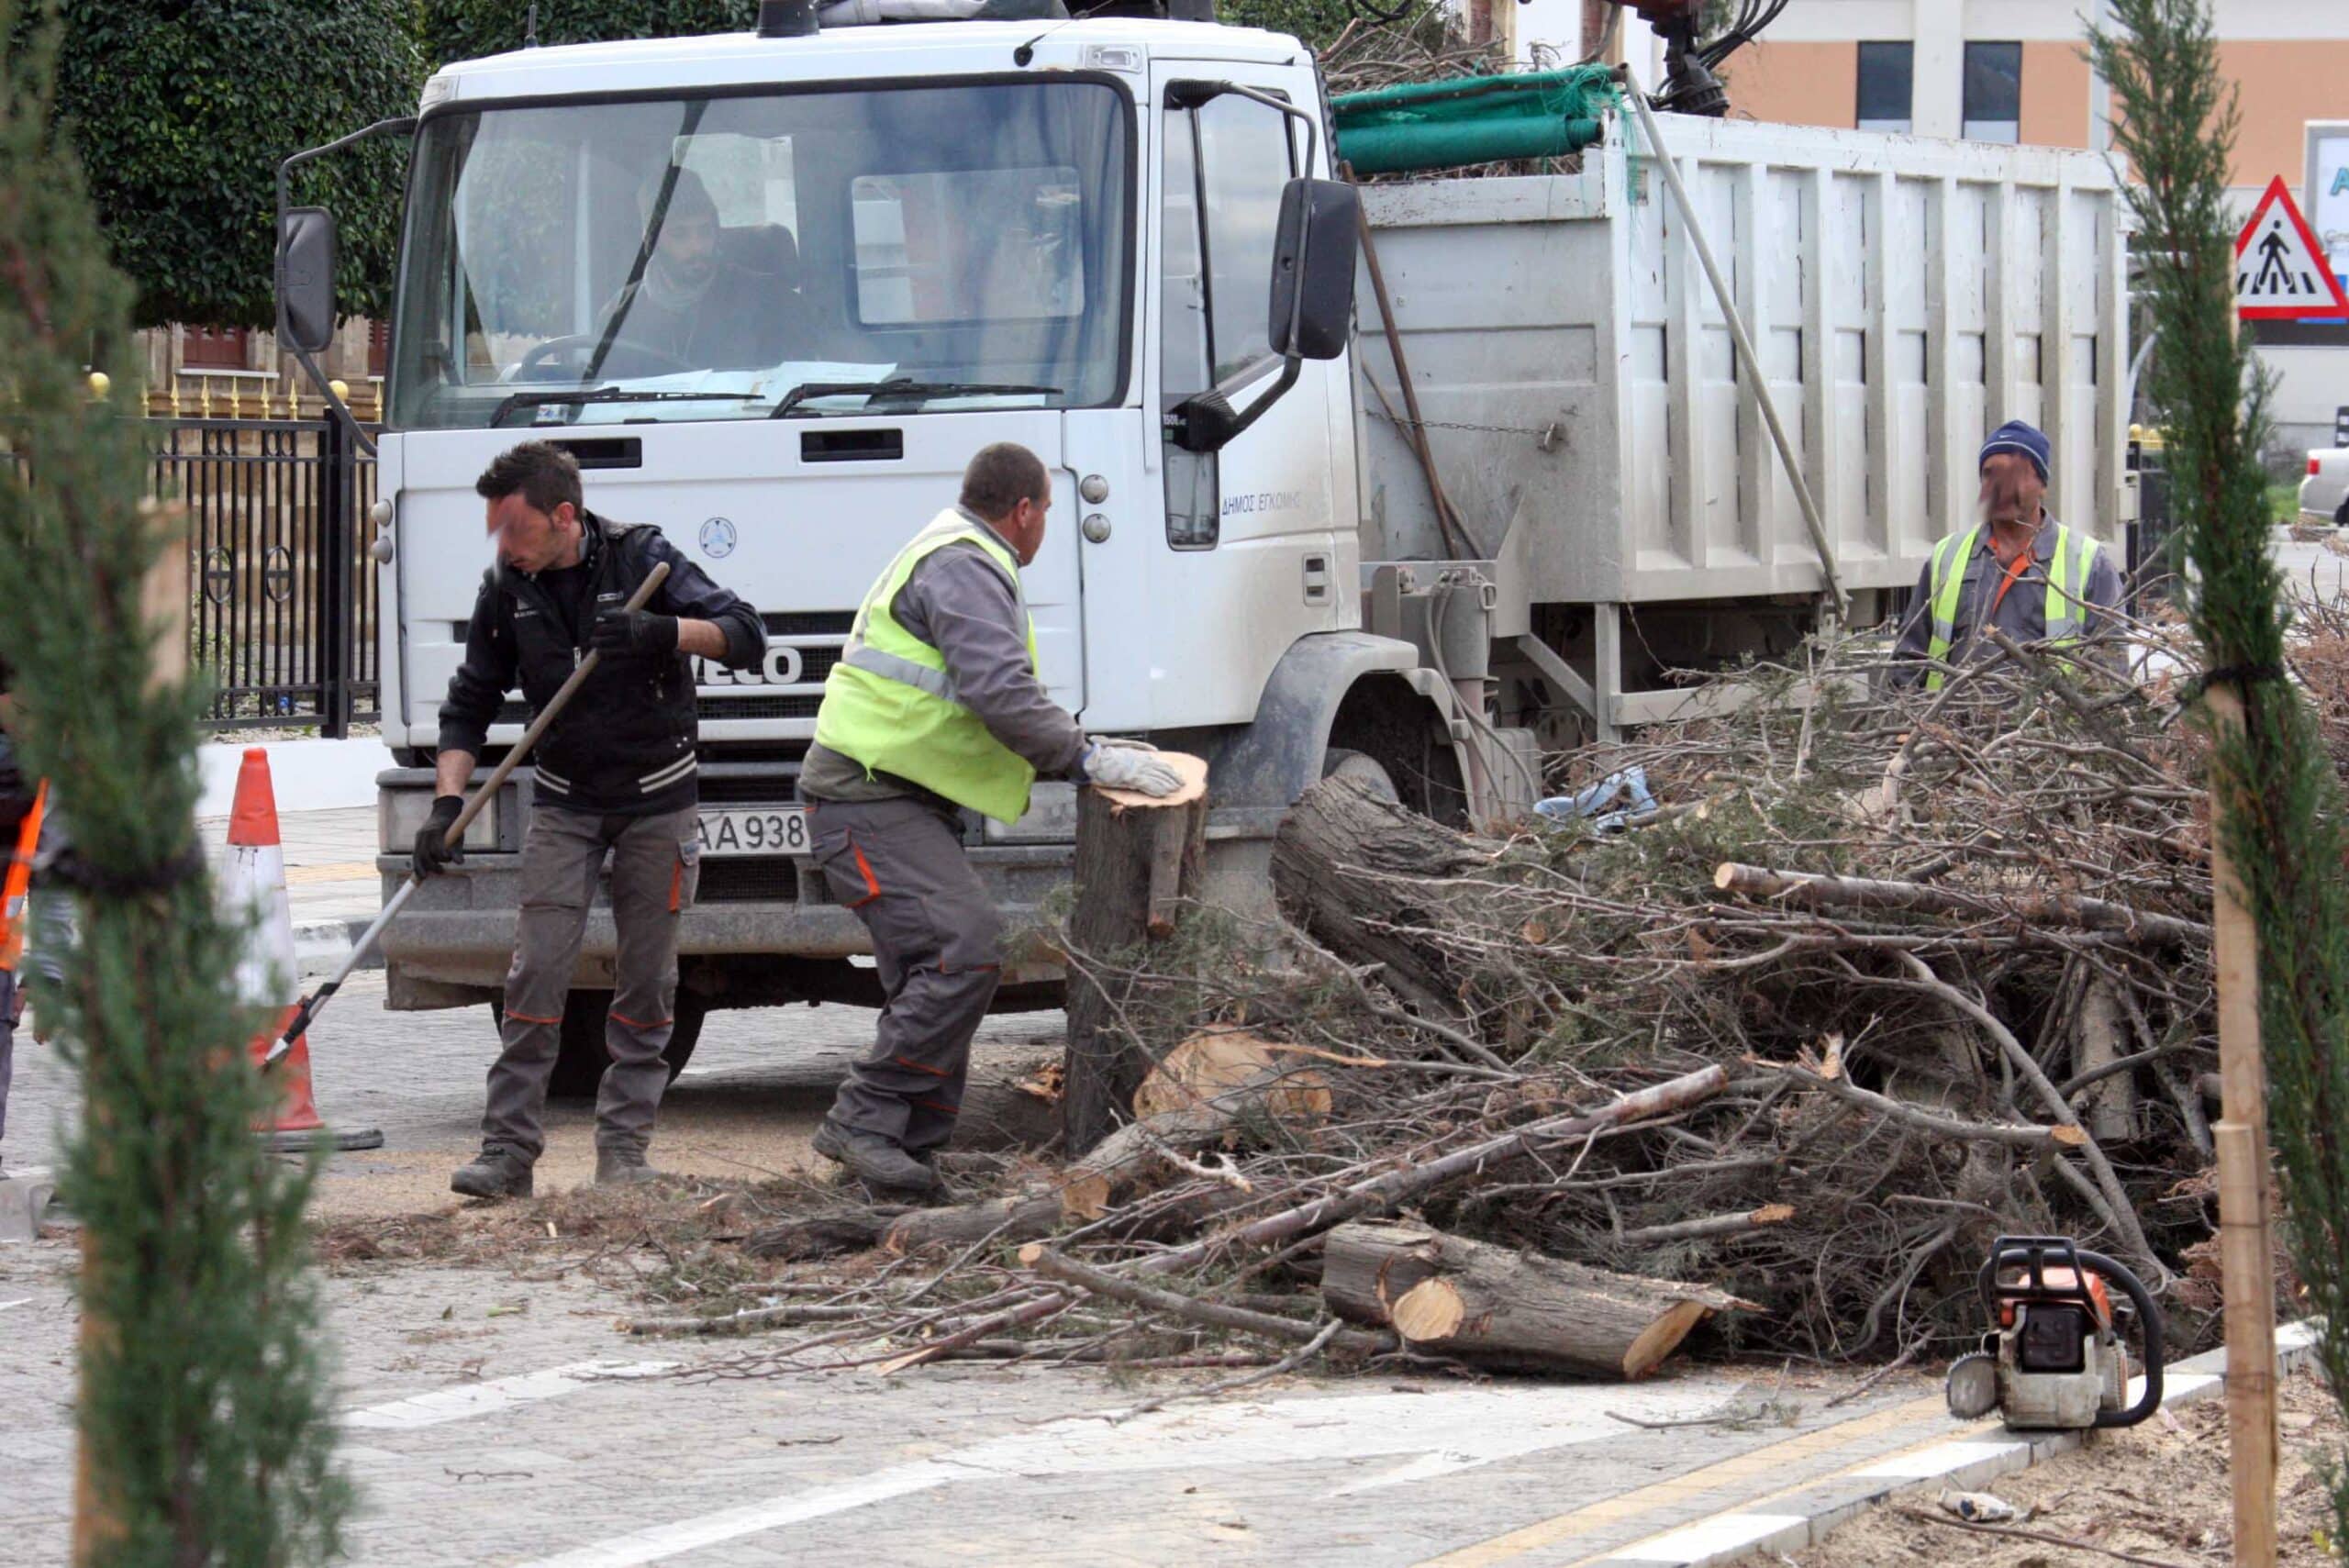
(949,1464)
(623,1460)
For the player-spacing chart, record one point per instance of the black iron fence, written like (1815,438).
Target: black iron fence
(282,576)
(283,618)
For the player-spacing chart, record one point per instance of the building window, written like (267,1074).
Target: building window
(214,348)
(379,348)
(1888,82)
(1993,97)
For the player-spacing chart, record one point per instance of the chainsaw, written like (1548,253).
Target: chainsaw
(2058,1364)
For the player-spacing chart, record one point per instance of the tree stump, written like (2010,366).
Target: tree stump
(1506,1309)
(1137,858)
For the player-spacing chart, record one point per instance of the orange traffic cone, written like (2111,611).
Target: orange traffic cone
(254,879)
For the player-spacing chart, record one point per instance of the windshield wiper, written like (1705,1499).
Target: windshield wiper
(605,395)
(903,386)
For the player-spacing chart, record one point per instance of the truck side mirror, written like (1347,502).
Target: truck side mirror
(306,278)
(1313,269)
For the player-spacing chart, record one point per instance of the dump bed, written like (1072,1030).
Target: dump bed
(1570,358)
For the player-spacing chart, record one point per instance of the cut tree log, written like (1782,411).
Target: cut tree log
(1137,858)
(1516,1311)
(2067,909)
(1354,869)
(1206,1089)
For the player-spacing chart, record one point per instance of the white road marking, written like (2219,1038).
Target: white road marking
(667,1541)
(497,1394)
(1446,1430)
(18,1301)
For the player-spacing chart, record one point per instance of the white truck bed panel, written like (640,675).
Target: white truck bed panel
(1903,297)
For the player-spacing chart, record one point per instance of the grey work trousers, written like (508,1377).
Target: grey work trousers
(656,861)
(938,943)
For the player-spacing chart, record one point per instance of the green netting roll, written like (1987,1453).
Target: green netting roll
(1391,149)
(1469,120)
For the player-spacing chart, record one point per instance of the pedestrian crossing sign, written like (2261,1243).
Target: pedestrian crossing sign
(2281,272)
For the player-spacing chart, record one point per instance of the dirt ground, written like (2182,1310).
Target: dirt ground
(2157,1492)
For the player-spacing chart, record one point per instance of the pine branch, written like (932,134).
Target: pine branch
(204,1409)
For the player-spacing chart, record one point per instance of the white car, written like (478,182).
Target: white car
(2324,493)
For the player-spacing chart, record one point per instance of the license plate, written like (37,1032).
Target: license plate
(753,831)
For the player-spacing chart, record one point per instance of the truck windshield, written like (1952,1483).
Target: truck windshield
(705,258)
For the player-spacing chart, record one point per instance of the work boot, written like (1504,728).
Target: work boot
(497,1172)
(622,1167)
(875,1160)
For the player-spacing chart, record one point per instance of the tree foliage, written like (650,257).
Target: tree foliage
(467,29)
(204,1410)
(2278,800)
(181,111)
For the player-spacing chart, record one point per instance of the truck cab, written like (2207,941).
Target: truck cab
(925,238)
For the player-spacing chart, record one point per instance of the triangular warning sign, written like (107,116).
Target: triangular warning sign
(2280,270)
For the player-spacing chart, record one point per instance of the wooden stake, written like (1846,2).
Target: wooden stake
(2246,1253)
(1137,858)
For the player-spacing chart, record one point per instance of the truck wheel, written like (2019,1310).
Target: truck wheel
(2341,514)
(1339,763)
(581,1055)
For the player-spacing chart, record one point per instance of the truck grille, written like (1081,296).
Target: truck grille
(802,706)
(810,623)
(748,882)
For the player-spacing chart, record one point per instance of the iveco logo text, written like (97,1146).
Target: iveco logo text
(717,539)
(783,666)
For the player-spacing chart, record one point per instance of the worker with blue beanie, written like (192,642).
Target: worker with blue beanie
(2015,569)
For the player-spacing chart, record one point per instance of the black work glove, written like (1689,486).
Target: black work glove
(434,854)
(633,631)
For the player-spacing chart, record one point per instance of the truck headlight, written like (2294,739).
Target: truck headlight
(403,812)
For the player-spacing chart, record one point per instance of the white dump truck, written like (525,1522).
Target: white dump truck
(1118,242)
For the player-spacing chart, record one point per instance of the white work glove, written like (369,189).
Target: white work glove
(1116,765)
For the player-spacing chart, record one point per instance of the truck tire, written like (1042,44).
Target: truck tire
(1339,763)
(581,1055)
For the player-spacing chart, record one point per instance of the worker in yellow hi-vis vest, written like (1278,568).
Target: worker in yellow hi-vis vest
(935,709)
(2017,569)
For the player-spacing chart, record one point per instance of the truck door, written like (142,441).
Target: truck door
(1247,560)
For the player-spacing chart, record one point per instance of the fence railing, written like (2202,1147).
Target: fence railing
(283,613)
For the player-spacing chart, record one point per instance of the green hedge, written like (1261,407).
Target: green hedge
(180,112)
(467,29)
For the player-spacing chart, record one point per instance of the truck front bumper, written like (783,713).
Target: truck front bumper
(452,945)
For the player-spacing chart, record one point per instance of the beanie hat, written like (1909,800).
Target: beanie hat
(2015,436)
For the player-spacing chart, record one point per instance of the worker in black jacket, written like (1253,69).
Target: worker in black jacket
(616,772)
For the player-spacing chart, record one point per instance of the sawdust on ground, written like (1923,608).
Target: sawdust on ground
(2157,1492)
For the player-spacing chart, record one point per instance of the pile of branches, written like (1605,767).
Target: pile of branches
(1873,975)
(1416,47)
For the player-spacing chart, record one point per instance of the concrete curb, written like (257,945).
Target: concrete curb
(1977,1455)
(321,945)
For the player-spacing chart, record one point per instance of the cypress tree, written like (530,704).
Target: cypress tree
(2275,798)
(204,1417)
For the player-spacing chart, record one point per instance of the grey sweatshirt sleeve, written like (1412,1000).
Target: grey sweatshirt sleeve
(958,603)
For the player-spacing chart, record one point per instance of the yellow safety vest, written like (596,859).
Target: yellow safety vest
(2067,582)
(890,704)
